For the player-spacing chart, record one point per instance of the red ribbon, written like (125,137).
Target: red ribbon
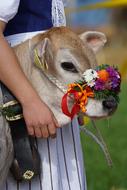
(75,109)
(79,103)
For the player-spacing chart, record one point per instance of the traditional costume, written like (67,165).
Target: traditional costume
(61,158)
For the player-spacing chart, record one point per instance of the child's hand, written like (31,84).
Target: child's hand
(39,119)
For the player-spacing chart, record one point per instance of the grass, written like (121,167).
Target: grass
(99,175)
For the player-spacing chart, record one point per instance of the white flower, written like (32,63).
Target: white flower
(90,76)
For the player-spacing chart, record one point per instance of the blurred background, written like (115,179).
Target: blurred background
(109,17)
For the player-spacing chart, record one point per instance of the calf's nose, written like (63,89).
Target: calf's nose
(110,103)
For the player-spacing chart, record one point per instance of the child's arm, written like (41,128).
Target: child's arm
(39,118)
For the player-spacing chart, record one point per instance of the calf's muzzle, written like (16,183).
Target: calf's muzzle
(110,103)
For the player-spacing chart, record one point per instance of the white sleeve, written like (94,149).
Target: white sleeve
(8,9)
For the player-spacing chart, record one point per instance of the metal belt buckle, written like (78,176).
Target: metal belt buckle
(15,117)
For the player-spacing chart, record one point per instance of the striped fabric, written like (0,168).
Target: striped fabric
(61,161)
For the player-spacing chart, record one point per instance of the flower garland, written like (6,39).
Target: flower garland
(99,84)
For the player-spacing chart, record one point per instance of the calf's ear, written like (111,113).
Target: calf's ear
(95,40)
(43,53)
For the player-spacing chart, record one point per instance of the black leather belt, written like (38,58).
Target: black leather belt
(26,162)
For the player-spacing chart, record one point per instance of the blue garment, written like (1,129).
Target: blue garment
(33,15)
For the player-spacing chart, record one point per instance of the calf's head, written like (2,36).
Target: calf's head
(67,56)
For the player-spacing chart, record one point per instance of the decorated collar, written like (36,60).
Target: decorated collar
(100,83)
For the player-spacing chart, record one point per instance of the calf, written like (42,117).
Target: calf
(67,56)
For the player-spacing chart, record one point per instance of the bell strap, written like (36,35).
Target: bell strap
(22,142)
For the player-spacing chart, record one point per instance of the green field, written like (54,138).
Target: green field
(99,175)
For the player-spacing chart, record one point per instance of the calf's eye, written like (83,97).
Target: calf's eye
(68,66)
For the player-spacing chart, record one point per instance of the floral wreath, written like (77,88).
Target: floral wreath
(100,83)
